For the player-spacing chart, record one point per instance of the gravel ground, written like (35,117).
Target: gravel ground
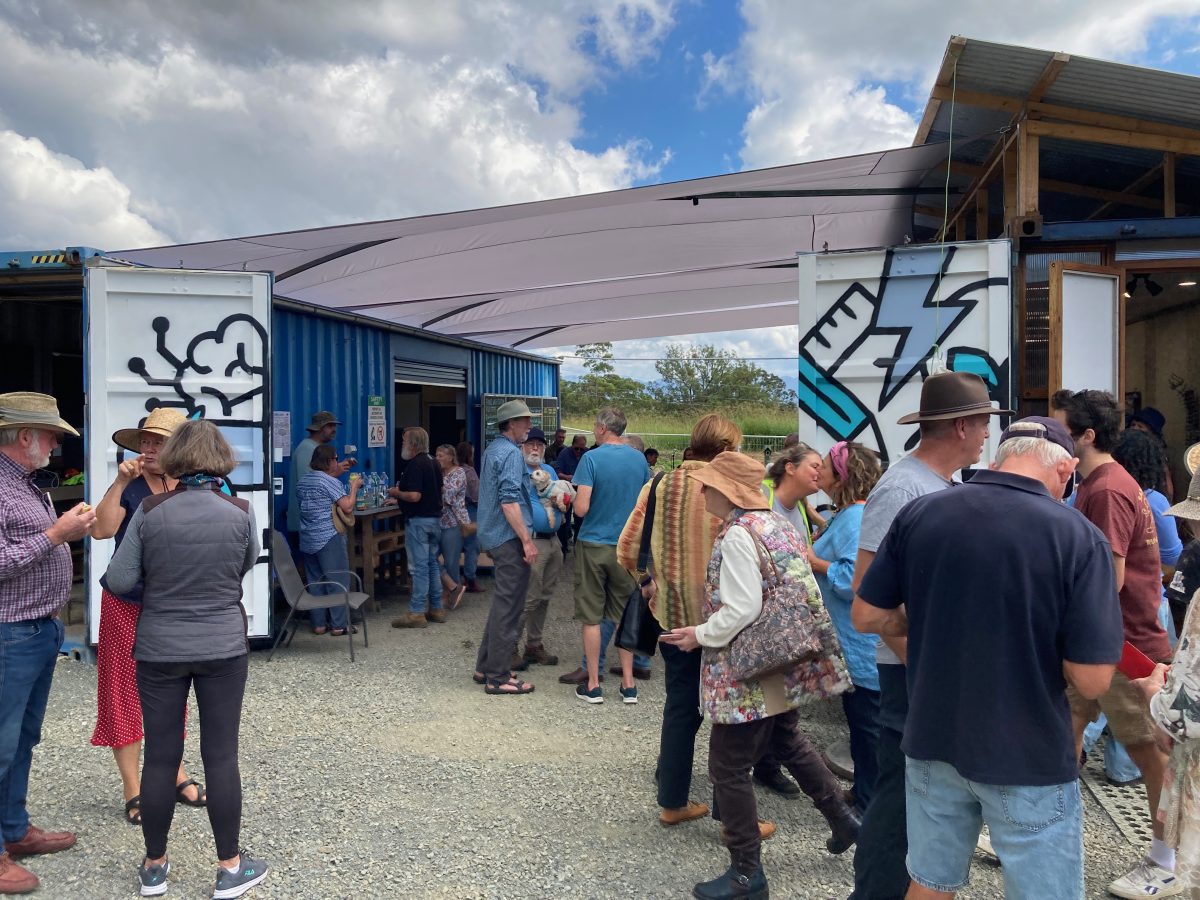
(397,776)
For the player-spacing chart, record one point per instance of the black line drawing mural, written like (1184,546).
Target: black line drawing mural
(904,306)
(227,349)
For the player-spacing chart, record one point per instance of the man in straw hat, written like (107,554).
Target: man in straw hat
(321,430)
(1029,599)
(506,533)
(35,581)
(954,417)
(1109,497)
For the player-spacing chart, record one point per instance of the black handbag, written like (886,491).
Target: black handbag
(638,630)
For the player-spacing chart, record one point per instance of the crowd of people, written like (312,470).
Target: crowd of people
(974,623)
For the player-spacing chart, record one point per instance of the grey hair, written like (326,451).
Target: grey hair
(9,436)
(448,448)
(612,419)
(417,439)
(635,441)
(1048,453)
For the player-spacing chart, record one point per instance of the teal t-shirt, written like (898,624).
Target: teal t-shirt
(615,473)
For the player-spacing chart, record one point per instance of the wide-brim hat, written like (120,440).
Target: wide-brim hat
(28,409)
(1189,508)
(321,419)
(737,476)
(512,409)
(1191,458)
(162,421)
(952,395)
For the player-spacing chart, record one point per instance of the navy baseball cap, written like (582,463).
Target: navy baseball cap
(1040,427)
(535,434)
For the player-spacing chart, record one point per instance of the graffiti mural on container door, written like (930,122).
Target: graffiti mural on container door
(882,316)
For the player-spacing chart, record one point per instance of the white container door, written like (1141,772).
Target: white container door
(196,341)
(874,323)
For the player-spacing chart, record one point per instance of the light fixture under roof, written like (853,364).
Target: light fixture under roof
(1187,284)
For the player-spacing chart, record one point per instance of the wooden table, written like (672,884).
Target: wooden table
(368,543)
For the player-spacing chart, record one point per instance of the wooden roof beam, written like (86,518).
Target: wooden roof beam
(1056,64)
(1014,105)
(1132,188)
(1115,137)
(944,79)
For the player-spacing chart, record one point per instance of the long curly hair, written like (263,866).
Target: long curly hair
(862,471)
(1141,455)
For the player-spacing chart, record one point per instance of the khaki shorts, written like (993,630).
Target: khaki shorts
(601,584)
(1126,707)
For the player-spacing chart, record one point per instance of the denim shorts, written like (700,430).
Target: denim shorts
(1037,831)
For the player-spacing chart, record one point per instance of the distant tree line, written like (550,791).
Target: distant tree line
(691,377)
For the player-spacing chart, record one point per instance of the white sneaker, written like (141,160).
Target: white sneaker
(984,845)
(1148,879)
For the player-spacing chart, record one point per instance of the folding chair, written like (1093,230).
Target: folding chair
(300,599)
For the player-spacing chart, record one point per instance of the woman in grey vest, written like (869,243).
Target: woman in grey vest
(191,548)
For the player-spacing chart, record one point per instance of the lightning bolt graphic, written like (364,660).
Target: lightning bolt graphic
(907,307)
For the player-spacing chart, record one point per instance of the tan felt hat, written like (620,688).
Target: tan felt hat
(737,476)
(1189,508)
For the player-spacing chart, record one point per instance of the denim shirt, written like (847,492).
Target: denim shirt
(503,478)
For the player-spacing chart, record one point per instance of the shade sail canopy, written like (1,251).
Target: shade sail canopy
(711,254)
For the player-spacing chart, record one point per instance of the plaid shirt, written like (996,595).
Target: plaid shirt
(35,576)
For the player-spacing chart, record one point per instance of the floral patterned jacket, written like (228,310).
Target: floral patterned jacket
(726,701)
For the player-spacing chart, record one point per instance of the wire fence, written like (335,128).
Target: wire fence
(670,446)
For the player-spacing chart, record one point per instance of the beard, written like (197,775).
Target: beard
(406,454)
(533,459)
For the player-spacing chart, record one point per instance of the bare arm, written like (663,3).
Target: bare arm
(583,500)
(1091,681)
(109,512)
(346,504)
(1119,570)
(897,643)
(868,619)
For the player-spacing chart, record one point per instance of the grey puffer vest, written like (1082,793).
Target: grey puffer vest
(195,548)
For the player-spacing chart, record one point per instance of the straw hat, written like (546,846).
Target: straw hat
(26,409)
(1189,508)
(162,421)
(952,395)
(1191,458)
(737,476)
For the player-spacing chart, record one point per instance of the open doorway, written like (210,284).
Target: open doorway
(1162,365)
(439,409)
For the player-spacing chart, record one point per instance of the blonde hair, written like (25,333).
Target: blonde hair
(196,446)
(714,434)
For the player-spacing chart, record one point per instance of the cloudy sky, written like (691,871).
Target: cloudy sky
(128,122)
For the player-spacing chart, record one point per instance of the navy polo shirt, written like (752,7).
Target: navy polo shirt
(1001,584)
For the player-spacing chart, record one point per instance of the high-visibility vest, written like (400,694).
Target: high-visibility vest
(768,488)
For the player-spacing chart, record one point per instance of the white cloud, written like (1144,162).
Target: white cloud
(50,200)
(299,114)
(816,80)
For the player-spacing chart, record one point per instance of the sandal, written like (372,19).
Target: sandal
(501,687)
(201,797)
(341,632)
(133,810)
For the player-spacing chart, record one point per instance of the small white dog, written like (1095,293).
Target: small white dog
(555,494)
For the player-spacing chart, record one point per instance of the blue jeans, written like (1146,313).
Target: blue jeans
(28,652)
(452,545)
(861,707)
(607,629)
(422,540)
(330,563)
(471,545)
(1037,832)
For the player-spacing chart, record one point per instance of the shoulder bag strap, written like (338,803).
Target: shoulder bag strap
(648,523)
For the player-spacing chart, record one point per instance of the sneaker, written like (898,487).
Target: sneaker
(1148,879)
(249,872)
(595,695)
(629,695)
(154,878)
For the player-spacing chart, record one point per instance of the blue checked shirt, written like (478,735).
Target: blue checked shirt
(503,478)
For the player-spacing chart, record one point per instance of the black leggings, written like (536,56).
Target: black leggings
(163,688)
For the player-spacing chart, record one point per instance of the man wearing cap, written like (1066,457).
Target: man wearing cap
(953,418)
(35,582)
(1028,600)
(321,430)
(1112,501)
(544,575)
(506,533)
